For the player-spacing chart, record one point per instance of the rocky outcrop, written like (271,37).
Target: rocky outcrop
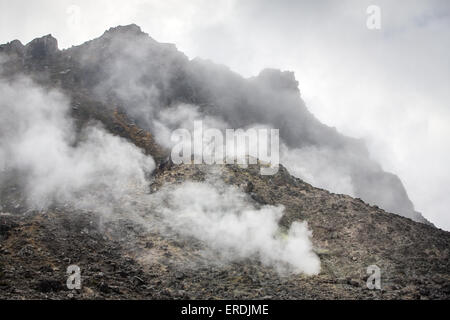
(41,48)
(131,30)
(278,80)
(14,47)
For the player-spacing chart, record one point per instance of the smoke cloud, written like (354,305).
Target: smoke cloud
(94,170)
(38,141)
(222,217)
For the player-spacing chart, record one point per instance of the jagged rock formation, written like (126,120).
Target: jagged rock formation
(41,48)
(120,259)
(119,68)
(348,234)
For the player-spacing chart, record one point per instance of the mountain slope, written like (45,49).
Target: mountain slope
(124,80)
(128,69)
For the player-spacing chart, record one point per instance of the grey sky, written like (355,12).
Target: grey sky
(389,86)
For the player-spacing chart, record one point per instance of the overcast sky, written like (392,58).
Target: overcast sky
(389,86)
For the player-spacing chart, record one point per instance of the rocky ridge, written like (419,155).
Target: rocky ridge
(348,234)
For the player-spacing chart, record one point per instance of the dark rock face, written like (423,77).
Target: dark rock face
(42,48)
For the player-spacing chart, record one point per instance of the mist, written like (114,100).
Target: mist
(105,174)
(388,86)
(162,89)
(38,141)
(223,217)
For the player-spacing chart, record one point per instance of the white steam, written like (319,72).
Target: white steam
(181,116)
(37,140)
(221,216)
(94,170)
